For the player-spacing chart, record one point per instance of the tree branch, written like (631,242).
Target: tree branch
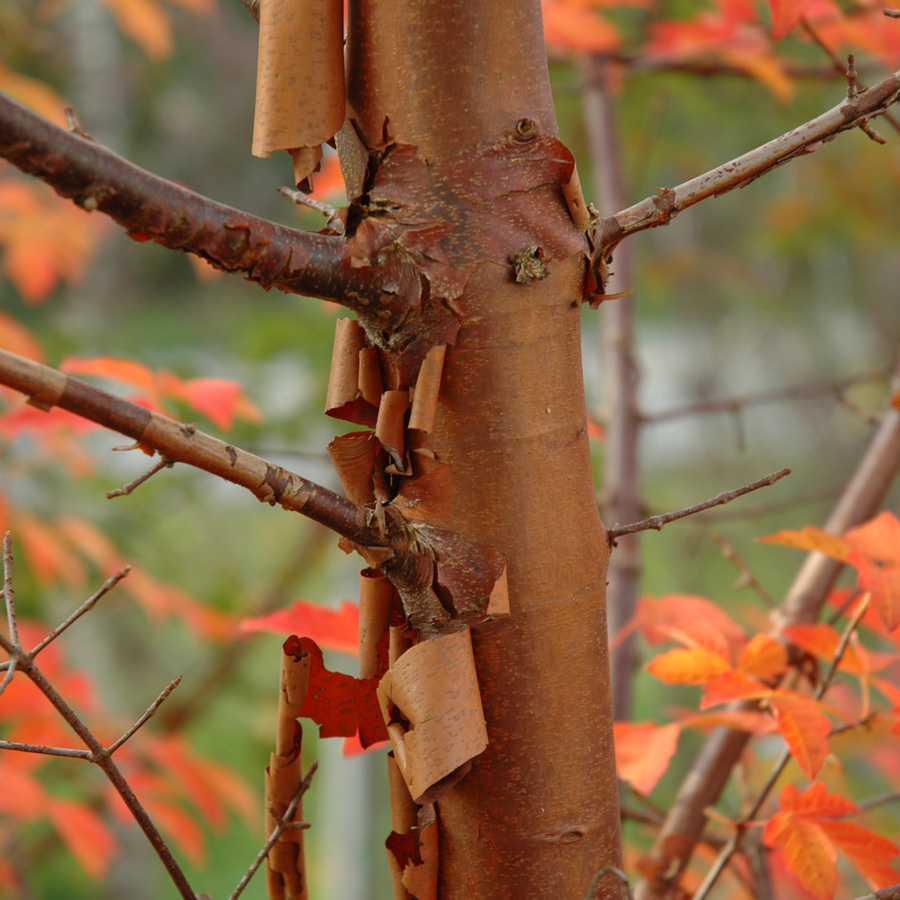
(178,442)
(153,208)
(853,112)
(657,522)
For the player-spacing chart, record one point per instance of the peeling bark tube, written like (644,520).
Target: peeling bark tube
(299,81)
(432,707)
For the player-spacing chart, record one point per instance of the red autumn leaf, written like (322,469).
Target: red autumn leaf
(815,802)
(219,399)
(822,641)
(339,704)
(570,26)
(333,629)
(883,583)
(23,796)
(785,15)
(733,685)
(643,752)
(695,666)
(328,183)
(867,851)
(738,719)
(810,538)
(353,747)
(85,834)
(49,556)
(879,538)
(763,657)
(804,727)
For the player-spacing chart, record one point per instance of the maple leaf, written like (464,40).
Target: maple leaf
(643,752)
(333,629)
(763,657)
(733,685)
(883,583)
(878,539)
(690,620)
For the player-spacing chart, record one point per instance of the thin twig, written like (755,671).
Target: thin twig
(283,824)
(732,846)
(881,799)
(8,677)
(154,706)
(892,13)
(252,7)
(747,578)
(162,463)
(67,752)
(85,607)
(326,209)
(9,593)
(657,522)
(795,392)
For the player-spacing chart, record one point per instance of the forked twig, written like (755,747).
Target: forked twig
(162,463)
(282,824)
(657,522)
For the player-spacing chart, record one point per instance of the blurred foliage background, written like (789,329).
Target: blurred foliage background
(793,280)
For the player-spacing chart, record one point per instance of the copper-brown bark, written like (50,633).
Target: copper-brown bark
(537,816)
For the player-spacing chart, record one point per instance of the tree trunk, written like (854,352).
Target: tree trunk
(538,814)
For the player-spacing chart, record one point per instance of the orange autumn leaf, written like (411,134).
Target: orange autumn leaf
(45,240)
(822,641)
(690,620)
(806,831)
(49,556)
(643,752)
(804,727)
(18,339)
(86,835)
(733,685)
(883,583)
(763,657)
(219,399)
(333,629)
(878,539)
(36,95)
(571,26)
(688,666)
(145,22)
(809,855)
(785,15)
(810,538)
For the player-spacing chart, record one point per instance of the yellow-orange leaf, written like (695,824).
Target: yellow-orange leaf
(810,538)
(688,666)
(146,23)
(643,751)
(879,538)
(36,95)
(804,727)
(688,619)
(18,339)
(763,657)
(85,834)
(883,583)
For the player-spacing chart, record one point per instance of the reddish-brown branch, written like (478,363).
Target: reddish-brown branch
(178,442)
(701,787)
(153,208)
(666,204)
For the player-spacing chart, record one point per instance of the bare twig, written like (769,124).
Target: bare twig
(269,483)
(151,710)
(746,576)
(892,13)
(661,208)
(892,892)
(252,7)
(734,844)
(9,593)
(87,606)
(657,522)
(95,753)
(161,463)
(881,799)
(43,749)
(795,392)
(283,824)
(335,223)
